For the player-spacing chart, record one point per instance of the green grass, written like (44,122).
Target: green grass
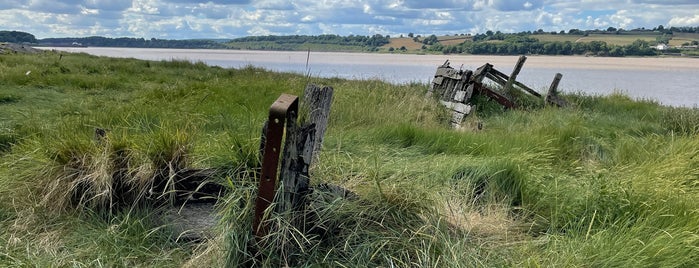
(608,182)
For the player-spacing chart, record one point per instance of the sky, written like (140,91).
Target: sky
(192,19)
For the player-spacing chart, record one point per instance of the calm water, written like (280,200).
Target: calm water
(670,81)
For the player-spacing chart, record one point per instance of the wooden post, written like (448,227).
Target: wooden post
(301,141)
(317,101)
(554,84)
(552,96)
(515,72)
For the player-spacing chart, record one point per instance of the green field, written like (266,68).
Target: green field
(608,182)
(617,39)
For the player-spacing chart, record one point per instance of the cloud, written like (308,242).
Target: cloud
(684,21)
(183,19)
(666,2)
(223,2)
(516,5)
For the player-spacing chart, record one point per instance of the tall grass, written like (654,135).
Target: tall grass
(610,181)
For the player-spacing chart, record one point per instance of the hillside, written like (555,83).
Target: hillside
(609,182)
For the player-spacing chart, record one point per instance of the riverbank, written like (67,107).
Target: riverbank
(609,181)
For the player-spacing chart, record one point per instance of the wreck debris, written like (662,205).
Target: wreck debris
(455,88)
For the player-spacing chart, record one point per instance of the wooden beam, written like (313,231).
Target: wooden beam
(515,72)
(526,88)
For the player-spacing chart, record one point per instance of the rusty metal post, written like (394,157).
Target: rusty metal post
(270,161)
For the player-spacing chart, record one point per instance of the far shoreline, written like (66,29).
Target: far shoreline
(540,61)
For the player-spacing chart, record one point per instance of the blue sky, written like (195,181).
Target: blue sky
(185,19)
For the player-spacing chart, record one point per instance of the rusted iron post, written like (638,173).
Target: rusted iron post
(274,133)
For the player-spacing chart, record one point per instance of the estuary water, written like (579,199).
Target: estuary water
(670,81)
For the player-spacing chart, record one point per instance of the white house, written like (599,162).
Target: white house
(661,46)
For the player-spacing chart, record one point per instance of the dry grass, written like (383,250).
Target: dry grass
(680,38)
(612,39)
(619,39)
(452,40)
(557,37)
(406,42)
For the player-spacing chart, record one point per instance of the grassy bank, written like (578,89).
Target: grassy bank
(608,182)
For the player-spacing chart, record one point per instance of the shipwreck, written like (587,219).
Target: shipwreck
(456,89)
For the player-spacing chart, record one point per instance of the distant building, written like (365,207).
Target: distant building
(661,46)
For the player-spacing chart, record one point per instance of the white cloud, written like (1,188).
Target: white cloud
(622,19)
(144,7)
(88,11)
(684,21)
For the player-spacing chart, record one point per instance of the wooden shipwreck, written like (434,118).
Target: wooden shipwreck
(456,88)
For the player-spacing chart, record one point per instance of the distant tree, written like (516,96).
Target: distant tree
(611,29)
(402,48)
(617,51)
(664,39)
(391,49)
(17,37)
(431,40)
(411,35)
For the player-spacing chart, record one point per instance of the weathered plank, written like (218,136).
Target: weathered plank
(317,102)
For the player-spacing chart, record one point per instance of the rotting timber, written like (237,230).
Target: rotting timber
(455,89)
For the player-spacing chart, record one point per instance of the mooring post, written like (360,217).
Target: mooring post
(301,143)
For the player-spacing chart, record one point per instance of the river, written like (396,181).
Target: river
(670,81)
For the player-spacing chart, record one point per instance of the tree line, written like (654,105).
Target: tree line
(517,45)
(17,37)
(98,41)
(376,40)
(498,43)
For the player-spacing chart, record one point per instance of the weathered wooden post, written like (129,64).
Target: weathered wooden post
(317,101)
(515,72)
(552,96)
